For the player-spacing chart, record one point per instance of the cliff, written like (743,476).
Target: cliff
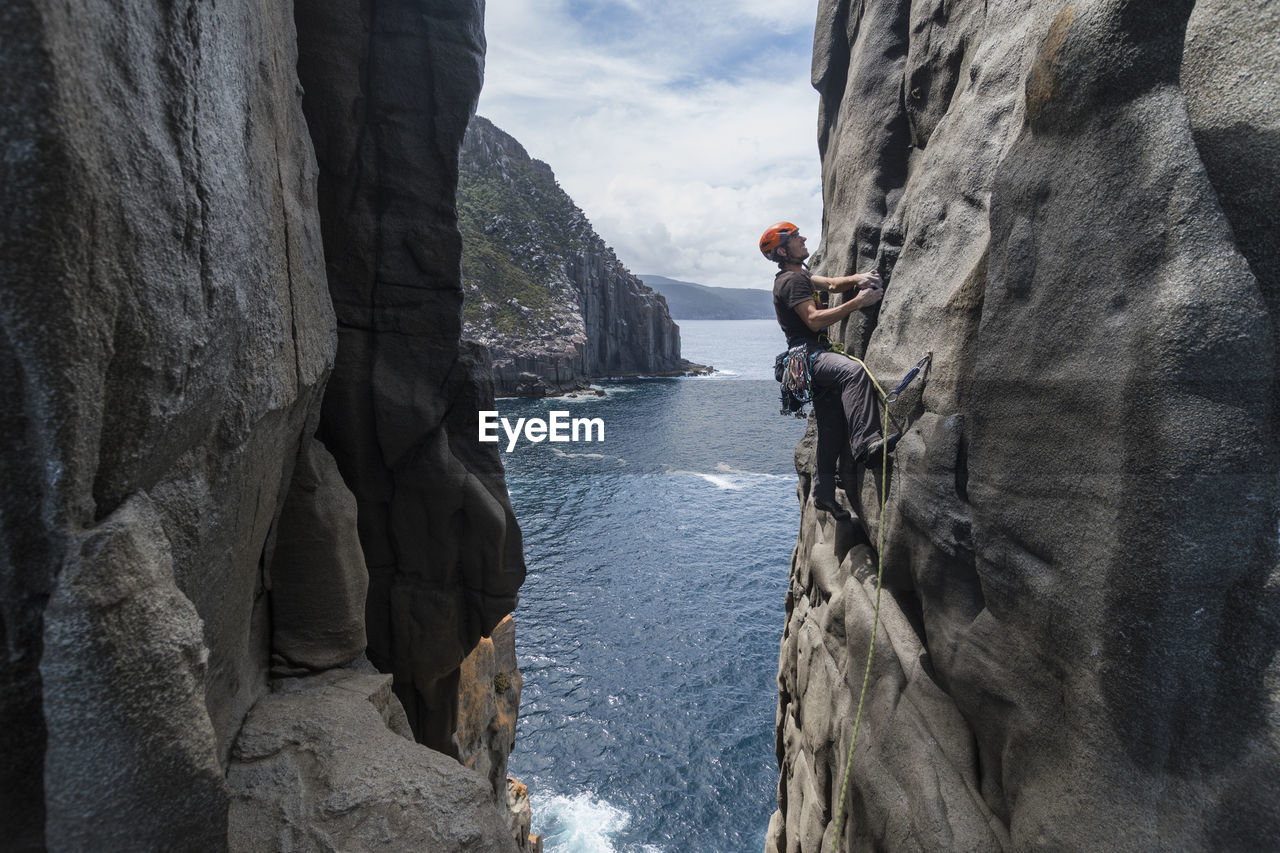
(1074,206)
(196,285)
(545,295)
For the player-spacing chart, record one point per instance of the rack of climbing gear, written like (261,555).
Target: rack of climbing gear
(793,370)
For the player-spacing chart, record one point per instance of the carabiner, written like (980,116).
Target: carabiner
(911,374)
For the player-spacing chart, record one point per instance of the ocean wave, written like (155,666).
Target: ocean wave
(727,477)
(582,823)
(563,455)
(724,468)
(587,395)
(714,479)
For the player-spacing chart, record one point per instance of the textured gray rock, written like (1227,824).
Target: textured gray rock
(1229,73)
(328,762)
(389,90)
(166,334)
(1079,634)
(166,331)
(132,759)
(545,294)
(318,579)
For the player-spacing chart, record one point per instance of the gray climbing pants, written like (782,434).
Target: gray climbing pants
(845,407)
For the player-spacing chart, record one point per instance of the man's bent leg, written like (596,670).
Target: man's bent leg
(831,438)
(857,397)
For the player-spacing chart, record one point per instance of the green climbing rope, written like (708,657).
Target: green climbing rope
(875,622)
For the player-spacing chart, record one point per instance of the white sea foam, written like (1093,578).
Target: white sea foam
(716,480)
(727,477)
(582,823)
(558,452)
(725,468)
(587,396)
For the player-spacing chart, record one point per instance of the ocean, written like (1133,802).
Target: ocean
(648,627)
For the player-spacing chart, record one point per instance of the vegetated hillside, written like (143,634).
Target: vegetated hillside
(544,293)
(689,301)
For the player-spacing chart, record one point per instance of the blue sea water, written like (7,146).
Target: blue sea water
(649,624)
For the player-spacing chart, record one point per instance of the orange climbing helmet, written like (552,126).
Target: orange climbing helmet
(775,237)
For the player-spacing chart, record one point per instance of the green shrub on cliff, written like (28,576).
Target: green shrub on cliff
(519,231)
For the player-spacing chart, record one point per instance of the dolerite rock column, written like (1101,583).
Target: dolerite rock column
(165,331)
(1079,639)
(390,86)
(629,330)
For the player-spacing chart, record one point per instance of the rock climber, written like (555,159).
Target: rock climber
(844,401)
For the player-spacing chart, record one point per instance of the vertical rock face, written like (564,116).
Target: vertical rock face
(389,89)
(170,528)
(544,293)
(166,335)
(1079,634)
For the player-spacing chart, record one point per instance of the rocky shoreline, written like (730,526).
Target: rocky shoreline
(531,386)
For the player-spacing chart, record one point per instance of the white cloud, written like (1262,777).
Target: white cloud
(681,131)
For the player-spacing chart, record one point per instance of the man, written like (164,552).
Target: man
(844,400)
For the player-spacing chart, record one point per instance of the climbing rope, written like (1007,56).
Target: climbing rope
(885,400)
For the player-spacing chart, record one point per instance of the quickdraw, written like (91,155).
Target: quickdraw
(911,374)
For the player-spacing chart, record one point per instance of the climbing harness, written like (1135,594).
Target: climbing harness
(794,370)
(885,399)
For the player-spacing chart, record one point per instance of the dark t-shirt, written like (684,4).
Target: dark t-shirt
(791,288)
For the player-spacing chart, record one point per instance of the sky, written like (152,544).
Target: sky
(681,129)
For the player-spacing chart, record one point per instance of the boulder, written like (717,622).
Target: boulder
(327,762)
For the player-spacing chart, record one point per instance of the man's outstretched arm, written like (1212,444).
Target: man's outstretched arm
(843,283)
(818,319)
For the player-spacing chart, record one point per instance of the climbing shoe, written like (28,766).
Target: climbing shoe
(872,456)
(836,511)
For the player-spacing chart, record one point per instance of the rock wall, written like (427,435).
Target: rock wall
(182,581)
(389,90)
(1079,630)
(166,338)
(545,294)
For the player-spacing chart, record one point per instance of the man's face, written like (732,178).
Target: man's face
(796,249)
